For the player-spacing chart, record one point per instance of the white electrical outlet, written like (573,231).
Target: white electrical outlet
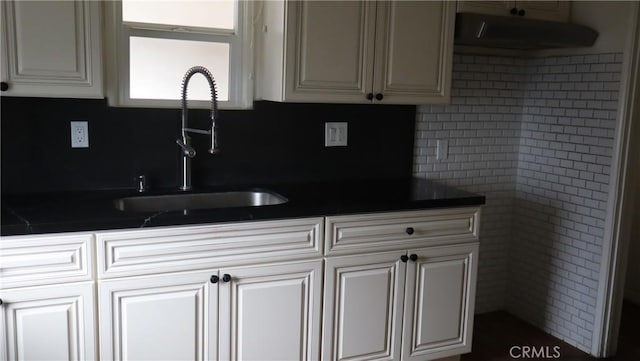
(442,149)
(79,134)
(335,134)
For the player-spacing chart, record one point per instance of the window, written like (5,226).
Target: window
(152,44)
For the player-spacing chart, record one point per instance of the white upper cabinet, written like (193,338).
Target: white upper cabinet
(51,49)
(541,10)
(356,51)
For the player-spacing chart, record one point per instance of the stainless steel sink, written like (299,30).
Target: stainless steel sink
(175,202)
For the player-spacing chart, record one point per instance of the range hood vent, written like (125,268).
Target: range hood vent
(510,32)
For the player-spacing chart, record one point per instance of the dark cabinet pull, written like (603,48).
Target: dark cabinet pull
(370,96)
(0,301)
(404,258)
(4,86)
(226,277)
(514,11)
(521,13)
(214,279)
(413,257)
(409,230)
(379,96)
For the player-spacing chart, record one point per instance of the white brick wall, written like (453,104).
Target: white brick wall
(482,126)
(534,136)
(566,139)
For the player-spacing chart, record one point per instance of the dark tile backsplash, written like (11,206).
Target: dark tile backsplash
(274,142)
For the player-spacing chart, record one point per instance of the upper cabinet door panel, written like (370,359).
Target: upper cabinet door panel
(34,33)
(486,7)
(333,48)
(542,10)
(52,48)
(545,10)
(413,51)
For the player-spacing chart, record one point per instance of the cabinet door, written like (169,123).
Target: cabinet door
(502,8)
(271,312)
(168,317)
(414,49)
(48,323)
(330,50)
(439,302)
(363,307)
(52,48)
(545,10)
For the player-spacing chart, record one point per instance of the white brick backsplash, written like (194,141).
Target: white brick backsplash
(535,136)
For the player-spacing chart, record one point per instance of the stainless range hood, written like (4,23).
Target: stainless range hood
(511,32)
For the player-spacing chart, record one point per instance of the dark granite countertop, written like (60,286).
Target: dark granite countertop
(94,210)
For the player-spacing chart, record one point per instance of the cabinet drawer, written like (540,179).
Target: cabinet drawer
(388,231)
(148,251)
(41,260)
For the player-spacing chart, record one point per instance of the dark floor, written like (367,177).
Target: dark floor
(497,334)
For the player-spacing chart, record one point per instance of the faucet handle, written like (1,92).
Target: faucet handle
(214,140)
(186,148)
(142,183)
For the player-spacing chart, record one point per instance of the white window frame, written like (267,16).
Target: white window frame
(117,34)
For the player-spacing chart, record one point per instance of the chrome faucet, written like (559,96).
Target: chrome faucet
(185,141)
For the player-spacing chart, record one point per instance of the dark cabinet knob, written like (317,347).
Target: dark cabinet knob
(413,257)
(379,96)
(514,11)
(521,13)
(214,279)
(226,277)
(4,86)
(409,230)
(370,96)
(1,302)
(404,258)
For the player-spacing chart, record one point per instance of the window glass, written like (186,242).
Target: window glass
(151,78)
(218,14)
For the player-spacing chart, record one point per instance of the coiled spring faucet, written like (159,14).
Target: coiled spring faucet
(185,141)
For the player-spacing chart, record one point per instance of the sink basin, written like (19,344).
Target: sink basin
(175,202)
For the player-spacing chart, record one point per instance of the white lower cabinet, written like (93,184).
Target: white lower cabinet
(271,312)
(397,286)
(415,305)
(48,323)
(363,307)
(385,300)
(264,312)
(439,302)
(167,317)
(47,309)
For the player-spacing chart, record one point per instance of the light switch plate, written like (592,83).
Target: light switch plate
(335,134)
